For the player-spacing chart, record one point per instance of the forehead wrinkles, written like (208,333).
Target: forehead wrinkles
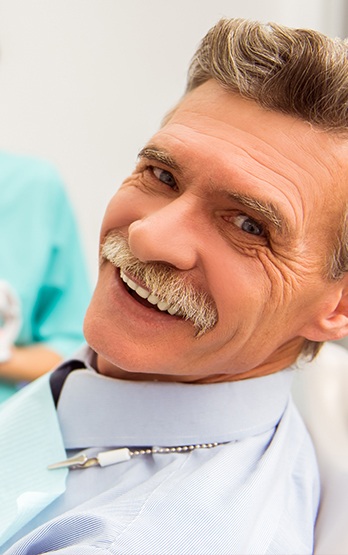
(281,154)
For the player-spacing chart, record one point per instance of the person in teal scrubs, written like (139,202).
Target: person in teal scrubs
(43,263)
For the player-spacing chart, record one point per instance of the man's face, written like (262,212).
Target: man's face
(241,204)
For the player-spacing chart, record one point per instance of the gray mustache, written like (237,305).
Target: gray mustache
(165,282)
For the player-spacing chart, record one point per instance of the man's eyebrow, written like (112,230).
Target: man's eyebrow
(159,155)
(266,209)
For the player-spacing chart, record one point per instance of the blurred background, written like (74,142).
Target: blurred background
(84,83)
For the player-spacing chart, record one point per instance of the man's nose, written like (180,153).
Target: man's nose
(167,234)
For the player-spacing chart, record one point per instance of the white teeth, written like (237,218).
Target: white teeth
(123,277)
(153,299)
(131,284)
(150,297)
(143,293)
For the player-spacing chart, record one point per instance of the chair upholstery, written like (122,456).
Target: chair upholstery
(321,393)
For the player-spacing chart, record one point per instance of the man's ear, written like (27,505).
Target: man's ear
(332,323)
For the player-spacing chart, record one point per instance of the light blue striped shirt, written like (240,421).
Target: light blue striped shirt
(257,493)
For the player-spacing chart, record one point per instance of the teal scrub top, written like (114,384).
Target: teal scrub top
(41,256)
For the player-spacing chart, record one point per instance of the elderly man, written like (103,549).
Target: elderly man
(223,260)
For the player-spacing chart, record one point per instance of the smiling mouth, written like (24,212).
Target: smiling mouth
(146,297)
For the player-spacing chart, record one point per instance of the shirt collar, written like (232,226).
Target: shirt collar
(97,411)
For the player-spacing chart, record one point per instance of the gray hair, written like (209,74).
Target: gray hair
(295,71)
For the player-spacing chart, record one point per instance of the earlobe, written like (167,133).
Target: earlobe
(332,323)
(335,327)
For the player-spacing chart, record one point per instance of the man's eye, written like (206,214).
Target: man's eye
(164,176)
(249,225)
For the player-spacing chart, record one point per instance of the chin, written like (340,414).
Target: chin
(116,353)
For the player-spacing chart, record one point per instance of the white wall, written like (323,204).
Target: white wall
(85,82)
